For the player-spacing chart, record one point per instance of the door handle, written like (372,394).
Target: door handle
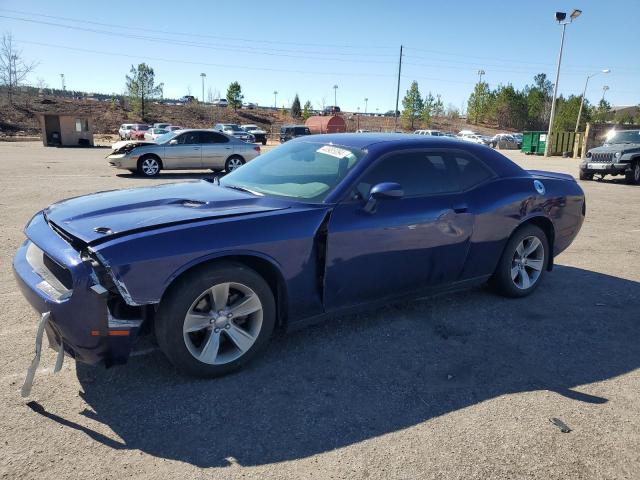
(196,148)
(460,209)
(227,148)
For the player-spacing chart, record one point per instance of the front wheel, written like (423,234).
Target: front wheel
(264,141)
(585,176)
(632,177)
(149,166)
(216,319)
(233,163)
(523,263)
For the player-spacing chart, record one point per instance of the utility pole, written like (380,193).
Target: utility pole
(202,75)
(335,96)
(584,92)
(604,90)
(366,100)
(480,74)
(395,113)
(62,79)
(560,18)
(275,99)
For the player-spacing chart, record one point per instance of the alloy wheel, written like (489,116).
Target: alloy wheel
(150,166)
(223,323)
(527,263)
(234,163)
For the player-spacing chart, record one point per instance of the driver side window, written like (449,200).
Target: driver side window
(188,138)
(418,173)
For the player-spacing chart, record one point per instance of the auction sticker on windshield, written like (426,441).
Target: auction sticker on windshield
(334,151)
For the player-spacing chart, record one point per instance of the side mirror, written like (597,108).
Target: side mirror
(383,191)
(173,142)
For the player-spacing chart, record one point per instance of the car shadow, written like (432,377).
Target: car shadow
(362,376)
(173,176)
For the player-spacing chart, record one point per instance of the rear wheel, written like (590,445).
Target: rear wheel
(149,166)
(233,162)
(523,262)
(632,176)
(216,319)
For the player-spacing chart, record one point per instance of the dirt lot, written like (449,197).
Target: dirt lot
(458,387)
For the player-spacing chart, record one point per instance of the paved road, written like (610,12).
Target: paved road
(458,386)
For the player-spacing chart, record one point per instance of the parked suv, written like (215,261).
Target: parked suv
(287,132)
(620,155)
(331,110)
(234,130)
(259,134)
(123,131)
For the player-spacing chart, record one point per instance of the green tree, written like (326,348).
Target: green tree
(479,104)
(509,108)
(141,88)
(438,107)
(603,113)
(307,111)
(412,104)
(295,107)
(567,113)
(538,102)
(428,108)
(234,95)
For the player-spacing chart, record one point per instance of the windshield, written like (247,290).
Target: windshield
(166,137)
(627,136)
(302,170)
(232,127)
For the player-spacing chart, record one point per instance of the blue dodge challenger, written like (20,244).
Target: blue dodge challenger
(321,225)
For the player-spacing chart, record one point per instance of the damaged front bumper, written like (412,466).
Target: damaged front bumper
(58,282)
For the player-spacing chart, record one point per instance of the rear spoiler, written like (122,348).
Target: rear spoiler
(553,175)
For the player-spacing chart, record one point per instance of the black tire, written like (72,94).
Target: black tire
(585,176)
(502,281)
(233,159)
(264,141)
(632,176)
(145,164)
(181,297)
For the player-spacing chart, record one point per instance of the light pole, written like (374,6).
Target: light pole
(366,100)
(480,74)
(275,99)
(62,79)
(202,75)
(584,92)
(561,19)
(604,90)
(335,95)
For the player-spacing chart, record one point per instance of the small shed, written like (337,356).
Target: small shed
(66,130)
(322,124)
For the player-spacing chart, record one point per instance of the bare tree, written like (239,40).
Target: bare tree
(210,95)
(13,69)
(41,83)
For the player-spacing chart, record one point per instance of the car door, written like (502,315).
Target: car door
(216,148)
(406,244)
(186,152)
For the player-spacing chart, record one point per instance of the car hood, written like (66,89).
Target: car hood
(100,216)
(615,147)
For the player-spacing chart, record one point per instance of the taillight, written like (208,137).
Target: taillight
(257,148)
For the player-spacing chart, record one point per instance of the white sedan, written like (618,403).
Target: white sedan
(153,133)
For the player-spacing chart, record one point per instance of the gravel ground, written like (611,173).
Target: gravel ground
(460,386)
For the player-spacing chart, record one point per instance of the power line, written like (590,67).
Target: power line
(187,62)
(192,34)
(216,46)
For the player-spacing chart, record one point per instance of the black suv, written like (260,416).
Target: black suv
(620,155)
(287,132)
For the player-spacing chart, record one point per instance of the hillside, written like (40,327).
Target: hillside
(21,118)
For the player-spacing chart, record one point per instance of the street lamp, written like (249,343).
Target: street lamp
(561,19)
(366,100)
(275,99)
(604,90)
(203,75)
(62,79)
(480,74)
(335,95)
(584,92)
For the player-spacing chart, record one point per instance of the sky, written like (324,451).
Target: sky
(307,47)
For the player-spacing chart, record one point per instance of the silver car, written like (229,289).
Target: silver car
(184,150)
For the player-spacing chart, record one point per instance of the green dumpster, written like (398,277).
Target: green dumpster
(534,142)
